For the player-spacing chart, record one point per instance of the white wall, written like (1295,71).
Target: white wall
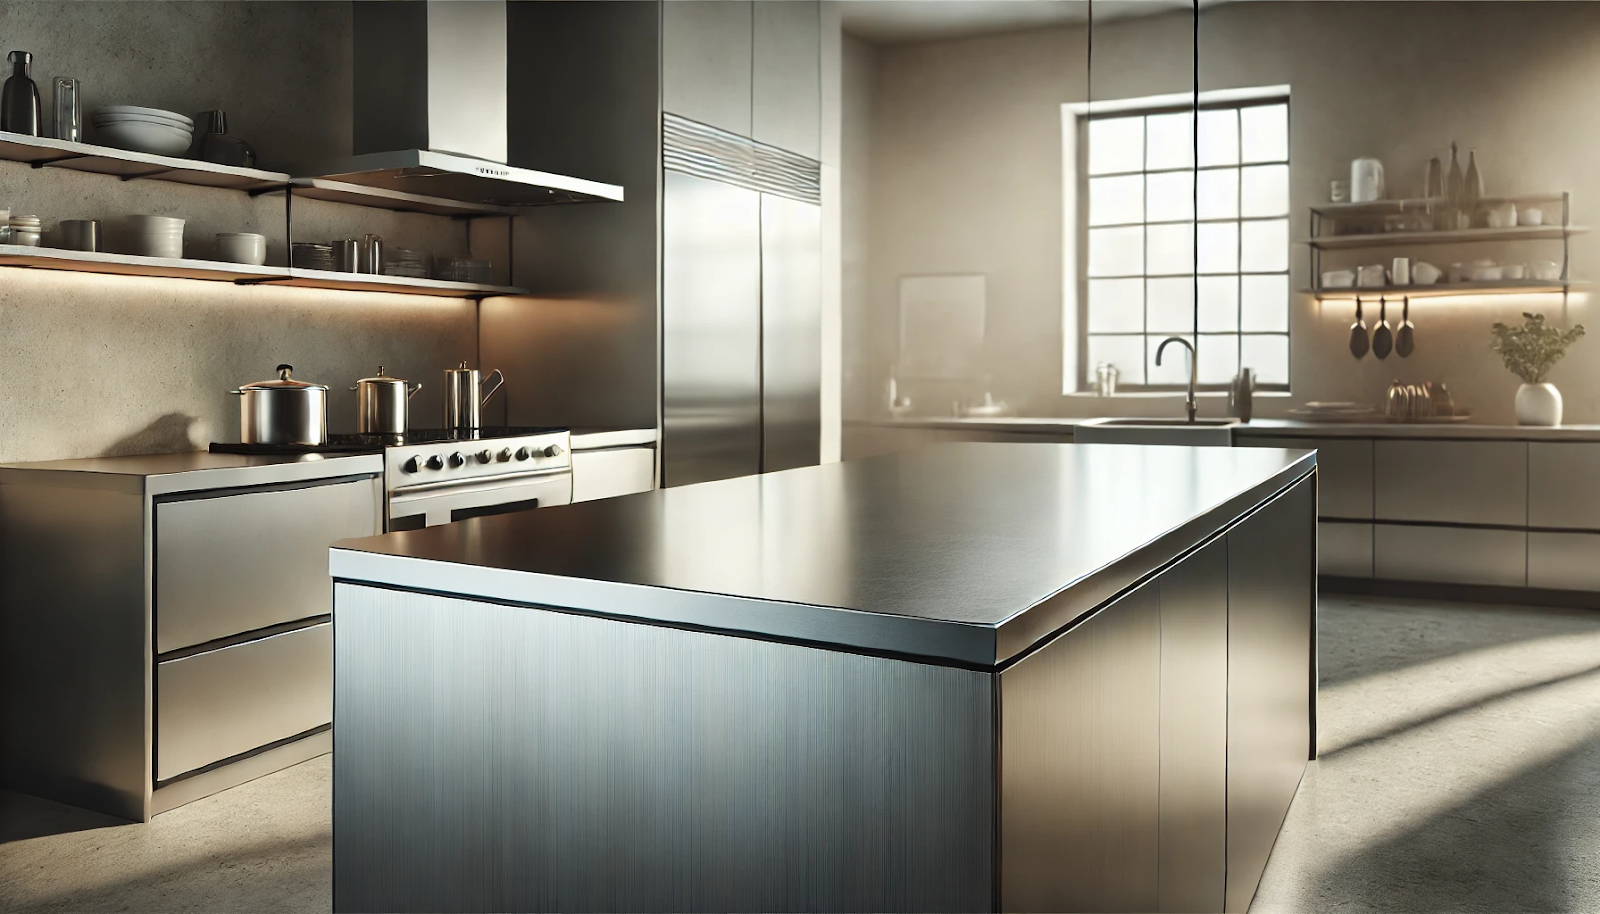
(965,172)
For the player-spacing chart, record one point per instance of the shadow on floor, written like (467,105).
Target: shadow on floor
(1511,847)
(1444,713)
(23,817)
(210,883)
(1368,636)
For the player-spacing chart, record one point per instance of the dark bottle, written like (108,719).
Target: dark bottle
(217,145)
(20,111)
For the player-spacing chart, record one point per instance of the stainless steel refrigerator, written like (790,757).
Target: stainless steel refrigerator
(740,306)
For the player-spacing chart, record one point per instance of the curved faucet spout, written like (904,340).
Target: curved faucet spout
(1194,368)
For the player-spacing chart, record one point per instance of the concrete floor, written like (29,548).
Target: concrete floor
(1460,772)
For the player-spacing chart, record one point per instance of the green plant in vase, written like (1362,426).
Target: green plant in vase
(1530,351)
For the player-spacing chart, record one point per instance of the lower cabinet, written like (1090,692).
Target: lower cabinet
(612,471)
(222,703)
(1564,561)
(1344,549)
(1450,555)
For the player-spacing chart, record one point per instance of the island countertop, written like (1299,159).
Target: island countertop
(965,554)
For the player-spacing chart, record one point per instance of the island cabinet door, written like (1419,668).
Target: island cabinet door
(1079,769)
(1271,625)
(1194,731)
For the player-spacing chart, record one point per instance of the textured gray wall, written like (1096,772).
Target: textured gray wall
(108,364)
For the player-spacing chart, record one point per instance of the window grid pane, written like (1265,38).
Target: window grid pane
(1238,239)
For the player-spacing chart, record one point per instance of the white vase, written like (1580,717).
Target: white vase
(1538,404)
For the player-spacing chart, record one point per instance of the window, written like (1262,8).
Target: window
(1181,232)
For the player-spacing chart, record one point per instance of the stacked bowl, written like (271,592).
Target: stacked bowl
(143,129)
(155,236)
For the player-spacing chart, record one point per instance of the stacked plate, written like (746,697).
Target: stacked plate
(460,270)
(406,262)
(1337,411)
(307,255)
(155,236)
(143,129)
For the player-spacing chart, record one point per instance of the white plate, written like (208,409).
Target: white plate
(135,109)
(141,119)
(152,138)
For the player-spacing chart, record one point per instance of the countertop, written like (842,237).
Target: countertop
(596,438)
(159,474)
(961,553)
(1287,428)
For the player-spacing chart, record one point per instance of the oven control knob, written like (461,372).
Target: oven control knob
(551,450)
(435,462)
(523,453)
(411,466)
(484,456)
(456,459)
(504,455)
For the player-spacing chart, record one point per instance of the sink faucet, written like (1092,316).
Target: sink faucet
(1193,368)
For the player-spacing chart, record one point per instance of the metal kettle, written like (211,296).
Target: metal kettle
(464,395)
(382,404)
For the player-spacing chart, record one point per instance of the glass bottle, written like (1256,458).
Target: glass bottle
(1472,192)
(1454,187)
(20,111)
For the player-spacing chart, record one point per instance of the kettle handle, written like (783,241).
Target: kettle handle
(497,385)
(412,392)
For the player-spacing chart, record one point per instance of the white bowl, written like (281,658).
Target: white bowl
(1485,274)
(1338,279)
(155,224)
(242,247)
(1545,270)
(152,138)
(135,109)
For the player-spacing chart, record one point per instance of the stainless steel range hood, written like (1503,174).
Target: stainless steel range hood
(430,108)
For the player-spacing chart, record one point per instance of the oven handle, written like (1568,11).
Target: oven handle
(477,483)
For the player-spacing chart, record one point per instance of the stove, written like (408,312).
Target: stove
(435,476)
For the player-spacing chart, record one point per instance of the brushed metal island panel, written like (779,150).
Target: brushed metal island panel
(502,758)
(1079,766)
(1271,636)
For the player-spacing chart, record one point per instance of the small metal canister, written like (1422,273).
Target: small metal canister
(383,404)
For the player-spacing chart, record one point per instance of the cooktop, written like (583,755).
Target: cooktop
(372,444)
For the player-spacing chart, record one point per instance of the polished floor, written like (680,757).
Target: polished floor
(1460,772)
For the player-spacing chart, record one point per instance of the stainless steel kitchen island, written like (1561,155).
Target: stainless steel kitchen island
(968,677)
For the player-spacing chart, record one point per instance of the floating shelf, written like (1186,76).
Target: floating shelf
(44,152)
(1422,204)
(371,282)
(1460,236)
(399,201)
(18,255)
(1437,290)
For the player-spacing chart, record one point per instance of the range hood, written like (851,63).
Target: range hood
(430,108)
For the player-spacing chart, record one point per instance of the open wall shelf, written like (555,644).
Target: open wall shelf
(44,152)
(16,255)
(1444,289)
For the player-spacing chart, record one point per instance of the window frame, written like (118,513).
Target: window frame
(1076,118)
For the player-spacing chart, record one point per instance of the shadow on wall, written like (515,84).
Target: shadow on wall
(170,433)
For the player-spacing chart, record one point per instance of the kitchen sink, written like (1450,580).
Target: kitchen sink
(1199,433)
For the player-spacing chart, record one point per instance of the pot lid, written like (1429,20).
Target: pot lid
(283,382)
(381,378)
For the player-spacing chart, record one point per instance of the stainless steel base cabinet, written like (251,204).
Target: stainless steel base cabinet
(1450,555)
(1344,549)
(164,621)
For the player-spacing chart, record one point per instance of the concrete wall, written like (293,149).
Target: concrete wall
(867,331)
(965,172)
(108,364)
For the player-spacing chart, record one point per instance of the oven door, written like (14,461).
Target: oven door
(431,504)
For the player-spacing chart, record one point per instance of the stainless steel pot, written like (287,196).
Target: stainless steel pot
(464,396)
(383,404)
(283,411)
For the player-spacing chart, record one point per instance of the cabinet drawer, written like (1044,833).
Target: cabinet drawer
(616,471)
(1344,471)
(1564,561)
(1564,485)
(215,705)
(1450,555)
(1466,482)
(1344,550)
(239,562)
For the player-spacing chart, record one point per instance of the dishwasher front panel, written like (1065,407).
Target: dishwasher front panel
(234,562)
(222,703)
